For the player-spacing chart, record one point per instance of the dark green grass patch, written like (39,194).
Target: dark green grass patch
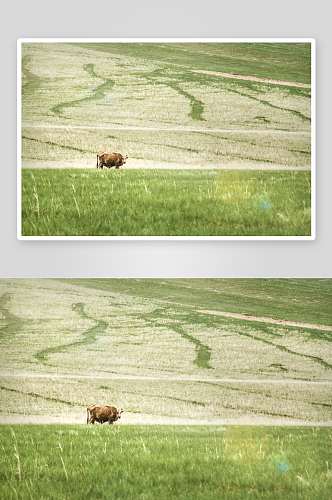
(281,61)
(304,300)
(160,462)
(162,203)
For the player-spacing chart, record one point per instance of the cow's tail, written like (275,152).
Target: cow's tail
(87,415)
(97,161)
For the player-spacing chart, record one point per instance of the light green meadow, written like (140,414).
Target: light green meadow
(164,462)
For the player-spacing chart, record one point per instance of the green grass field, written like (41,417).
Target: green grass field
(213,406)
(161,462)
(304,300)
(283,61)
(165,203)
(147,101)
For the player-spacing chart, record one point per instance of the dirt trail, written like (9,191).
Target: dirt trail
(161,377)
(248,317)
(164,129)
(134,164)
(253,78)
(146,419)
(239,77)
(267,320)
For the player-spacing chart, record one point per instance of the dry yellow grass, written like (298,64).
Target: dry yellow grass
(64,347)
(75,87)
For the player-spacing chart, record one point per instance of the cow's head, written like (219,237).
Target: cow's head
(118,413)
(124,158)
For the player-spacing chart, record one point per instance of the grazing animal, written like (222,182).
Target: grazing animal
(110,160)
(103,414)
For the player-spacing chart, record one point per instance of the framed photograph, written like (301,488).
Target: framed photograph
(166,139)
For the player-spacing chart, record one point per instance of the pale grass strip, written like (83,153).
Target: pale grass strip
(263,319)
(28,489)
(253,78)
(19,464)
(76,201)
(231,75)
(36,196)
(167,378)
(161,129)
(248,317)
(12,487)
(64,467)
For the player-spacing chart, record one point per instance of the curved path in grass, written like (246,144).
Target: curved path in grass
(242,316)
(266,320)
(238,77)
(89,336)
(163,129)
(14,323)
(203,352)
(253,78)
(115,376)
(98,93)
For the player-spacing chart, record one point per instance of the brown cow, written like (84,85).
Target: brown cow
(103,414)
(111,160)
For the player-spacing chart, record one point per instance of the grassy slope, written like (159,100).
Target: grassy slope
(161,202)
(162,462)
(287,62)
(305,300)
(52,328)
(65,85)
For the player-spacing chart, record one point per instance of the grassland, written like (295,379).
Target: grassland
(269,60)
(165,462)
(304,300)
(236,408)
(65,345)
(165,203)
(146,101)
(63,148)
(67,86)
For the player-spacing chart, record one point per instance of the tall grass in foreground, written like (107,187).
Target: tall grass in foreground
(165,203)
(160,462)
